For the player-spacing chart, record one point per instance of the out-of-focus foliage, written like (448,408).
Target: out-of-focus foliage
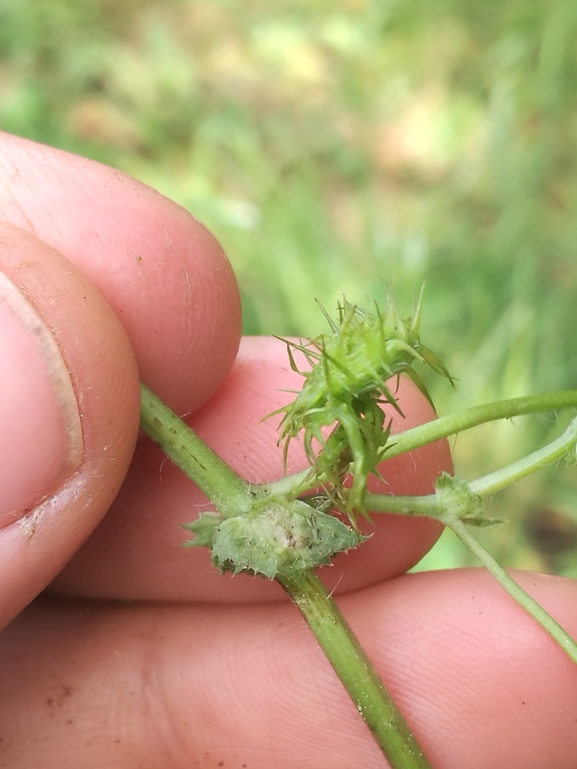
(332,146)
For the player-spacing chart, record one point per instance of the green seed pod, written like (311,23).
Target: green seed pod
(283,537)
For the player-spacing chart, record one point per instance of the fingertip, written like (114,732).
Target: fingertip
(164,274)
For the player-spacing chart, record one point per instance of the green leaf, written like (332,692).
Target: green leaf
(204,529)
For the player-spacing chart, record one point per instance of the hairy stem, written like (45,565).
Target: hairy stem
(232,496)
(452,516)
(227,490)
(431,506)
(230,493)
(515,591)
(355,671)
(477,415)
(552,452)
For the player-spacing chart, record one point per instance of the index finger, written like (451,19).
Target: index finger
(163,273)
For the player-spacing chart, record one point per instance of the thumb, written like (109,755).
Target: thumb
(69,407)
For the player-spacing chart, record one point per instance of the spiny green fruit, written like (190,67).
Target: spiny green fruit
(345,388)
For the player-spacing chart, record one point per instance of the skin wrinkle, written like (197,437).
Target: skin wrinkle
(26,222)
(155,702)
(188,320)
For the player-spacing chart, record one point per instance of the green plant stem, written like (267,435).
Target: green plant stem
(429,504)
(552,452)
(425,505)
(355,671)
(227,490)
(515,591)
(230,493)
(477,415)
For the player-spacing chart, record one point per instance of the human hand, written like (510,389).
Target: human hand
(190,667)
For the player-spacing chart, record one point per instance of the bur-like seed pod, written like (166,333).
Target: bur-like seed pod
(349,381)
(283,537)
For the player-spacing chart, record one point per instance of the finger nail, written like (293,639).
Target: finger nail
(40,429)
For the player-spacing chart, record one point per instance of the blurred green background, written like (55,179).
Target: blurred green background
(335,146)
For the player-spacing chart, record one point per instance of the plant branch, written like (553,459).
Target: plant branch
(515,591)
(477,415)
(453,502)
(227,490)
(430,504)
(552,452)
(237,501)
(355,671)
(425,505)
